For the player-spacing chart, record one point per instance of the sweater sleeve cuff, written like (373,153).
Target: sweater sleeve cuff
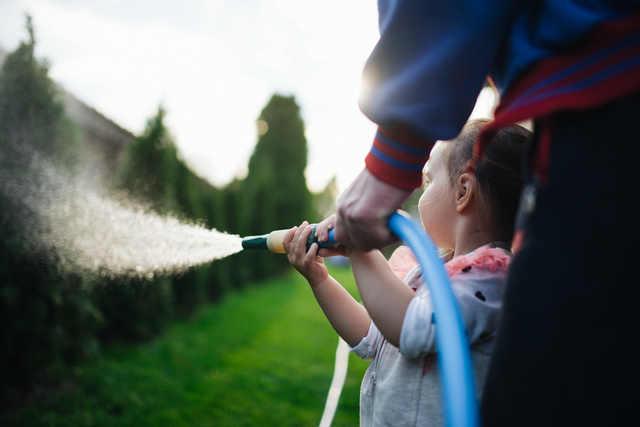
(368,346)
(398,157)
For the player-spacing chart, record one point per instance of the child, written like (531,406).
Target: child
(470,212)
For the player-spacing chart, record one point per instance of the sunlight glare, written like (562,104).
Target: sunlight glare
(485,104)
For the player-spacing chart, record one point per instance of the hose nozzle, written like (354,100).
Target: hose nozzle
(273,241)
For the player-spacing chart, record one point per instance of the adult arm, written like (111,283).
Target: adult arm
(423,77)
(419,85)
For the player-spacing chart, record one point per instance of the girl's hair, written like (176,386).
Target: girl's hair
(498,177)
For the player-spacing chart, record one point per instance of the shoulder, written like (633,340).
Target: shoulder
(478,279)
(495,260)
(402,261)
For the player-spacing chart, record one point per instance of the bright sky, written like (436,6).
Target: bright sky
(214,64)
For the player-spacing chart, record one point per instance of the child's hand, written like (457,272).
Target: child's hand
(326,225)
(322,233)
(309,264)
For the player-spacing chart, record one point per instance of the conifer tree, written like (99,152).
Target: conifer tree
(150,169)
(33,122)
(47,320)
(274,194)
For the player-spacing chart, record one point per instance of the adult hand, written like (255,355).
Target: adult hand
(364,210)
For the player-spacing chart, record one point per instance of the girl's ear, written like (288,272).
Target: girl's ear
(464,191)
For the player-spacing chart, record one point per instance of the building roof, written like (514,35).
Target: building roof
(89,119)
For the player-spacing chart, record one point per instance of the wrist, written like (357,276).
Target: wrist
(318,282)
(397,158)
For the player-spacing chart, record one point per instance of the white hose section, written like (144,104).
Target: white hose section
(339,375)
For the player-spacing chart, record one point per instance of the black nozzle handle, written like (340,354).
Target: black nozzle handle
(313,239)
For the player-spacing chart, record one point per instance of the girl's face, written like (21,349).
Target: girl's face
(437,205)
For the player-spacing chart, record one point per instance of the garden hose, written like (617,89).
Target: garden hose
(454,358)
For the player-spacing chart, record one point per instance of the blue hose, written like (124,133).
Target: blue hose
(454,358)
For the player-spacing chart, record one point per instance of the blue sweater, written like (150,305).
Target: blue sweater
(421,81)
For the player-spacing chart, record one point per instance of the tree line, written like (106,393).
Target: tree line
(52,319)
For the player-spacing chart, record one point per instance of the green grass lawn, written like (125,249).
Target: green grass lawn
(261,357)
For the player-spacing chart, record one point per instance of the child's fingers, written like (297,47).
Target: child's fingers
(286,240)
(295,254)
(296,235)
(322,230)
(301,243)
(310,256)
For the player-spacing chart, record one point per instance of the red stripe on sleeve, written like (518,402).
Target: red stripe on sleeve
(407,143)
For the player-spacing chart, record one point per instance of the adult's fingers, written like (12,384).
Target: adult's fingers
(364,210)
(364,233)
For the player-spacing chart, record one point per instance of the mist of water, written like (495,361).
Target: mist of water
(89,233)
(97,234)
